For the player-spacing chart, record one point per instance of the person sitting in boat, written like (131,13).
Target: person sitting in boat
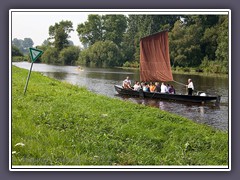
(171,90)
(146,87)
(164,88)
(168,87)
(127,83)
(190,87)
(136,86)
(152,87)
(158,87)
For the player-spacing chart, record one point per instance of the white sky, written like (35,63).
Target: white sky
(35,24)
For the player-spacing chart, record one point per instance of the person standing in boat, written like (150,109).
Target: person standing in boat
(190,87)
(127,83)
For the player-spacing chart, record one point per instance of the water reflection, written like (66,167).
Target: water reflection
(102,81)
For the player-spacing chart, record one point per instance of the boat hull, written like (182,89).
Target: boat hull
(172,97)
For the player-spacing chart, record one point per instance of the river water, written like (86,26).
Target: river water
(102,81)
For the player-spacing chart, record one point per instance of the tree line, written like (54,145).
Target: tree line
(198,41)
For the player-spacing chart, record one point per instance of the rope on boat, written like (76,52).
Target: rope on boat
(179,83)
(184,85)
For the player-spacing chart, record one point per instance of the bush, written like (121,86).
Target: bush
(16,51)
(133,64)
(214,66)
(50,56)
(20,58)
(101,54)
(69,55)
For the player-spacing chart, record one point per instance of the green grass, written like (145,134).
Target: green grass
(62,124)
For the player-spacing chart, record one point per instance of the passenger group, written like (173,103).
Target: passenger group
(149,87)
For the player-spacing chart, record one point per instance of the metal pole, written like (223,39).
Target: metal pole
(25,89)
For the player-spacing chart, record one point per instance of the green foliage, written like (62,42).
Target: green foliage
(192,39)
(202,42)
(91,31)
(211,66)
(50,56)
(20,58)
(60,34)
(185,47)
(16,51)
(140,26)
(102,28)
(114,27)
(222,40)
(69,55)
(133,64)
(60,124)
(101,54)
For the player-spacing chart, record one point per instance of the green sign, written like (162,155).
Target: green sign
(35,53)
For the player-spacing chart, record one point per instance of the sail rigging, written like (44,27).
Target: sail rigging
(154,58)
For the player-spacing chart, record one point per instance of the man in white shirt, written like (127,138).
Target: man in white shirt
(164,88)
(136,86)
(190,87)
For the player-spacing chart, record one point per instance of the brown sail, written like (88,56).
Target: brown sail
(154,58)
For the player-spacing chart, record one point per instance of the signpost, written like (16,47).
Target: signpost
(34,53)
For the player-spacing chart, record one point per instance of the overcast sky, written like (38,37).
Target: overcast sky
(35,24)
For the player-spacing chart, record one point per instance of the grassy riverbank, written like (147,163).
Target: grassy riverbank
(57,123)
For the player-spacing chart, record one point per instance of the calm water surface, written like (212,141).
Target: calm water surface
(102,81)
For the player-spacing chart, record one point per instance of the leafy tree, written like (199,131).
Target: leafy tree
(114,27)
(101,54)
(91,31)
(50,56)
(16,51)
(140,26)
(18,43)
(23,45)
(185,49)
(60,34)
(69,55)
(223,39)
(46,42)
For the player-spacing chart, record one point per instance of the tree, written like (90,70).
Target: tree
(23,45)
(91,31)
(184,42)
(223,39)
(46,42)
(50,56)
(27,43)
(69,55)
(60,34)
(16,51)
(101,54)
(140,26)
(18,43)
(114,27)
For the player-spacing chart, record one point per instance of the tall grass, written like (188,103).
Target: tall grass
(61,124)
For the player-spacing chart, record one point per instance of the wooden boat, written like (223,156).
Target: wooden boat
(165,96)
(155,67)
